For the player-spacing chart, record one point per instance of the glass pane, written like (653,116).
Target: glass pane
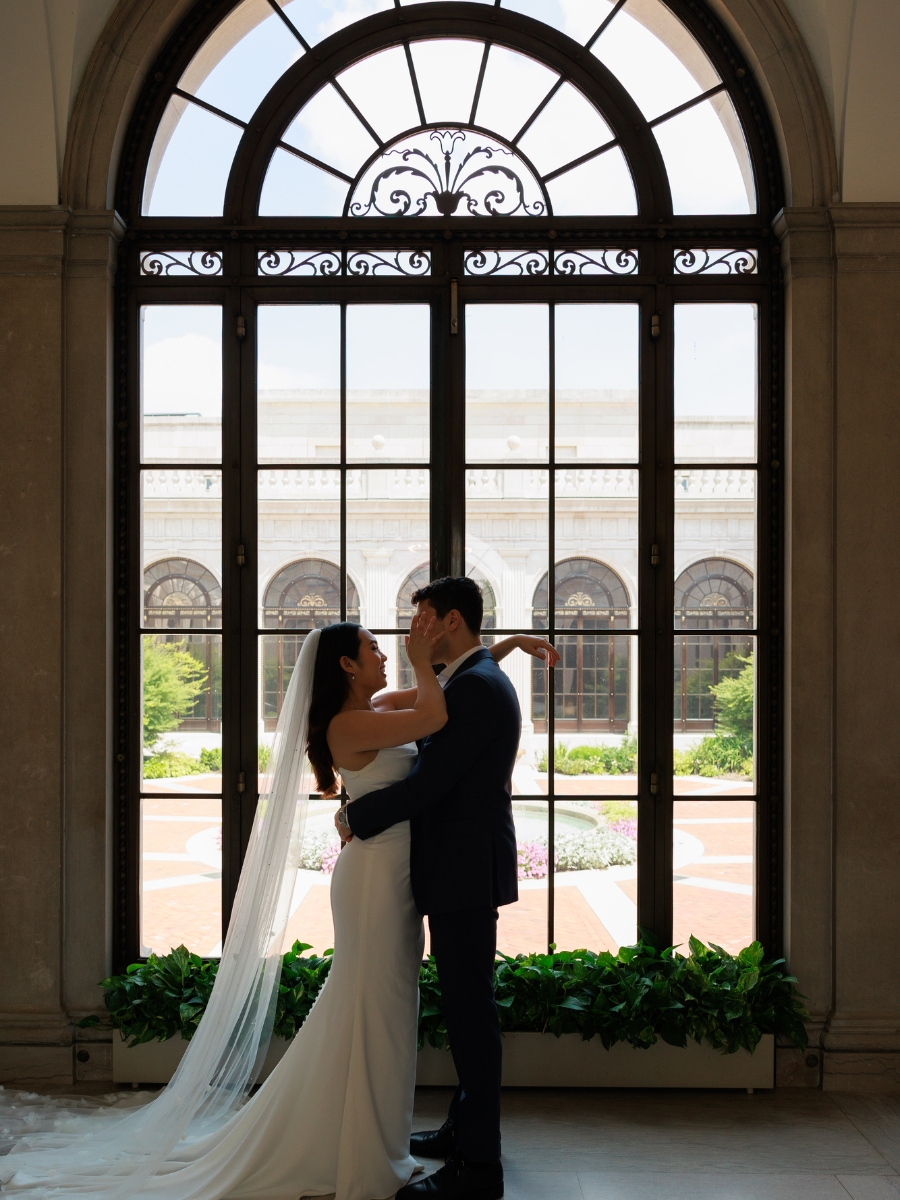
(317,19)
(715,548)
(327,128)
(513,87)
(595,706)
(181,520)
(714,692)
(655,57)
(522,927)
(580,21)
(181,383)
(595,881)
(507,382)
(246,54)
(294,187)
(447,71)
(189,163)
(716,382)
(507,548)
(707,160)
(388,382)
(714,873)
(381,88)
(300,550)
(298,382)
(181,874)
(568,127)
(182,712)
(600,187)
(387,537)
(597,376)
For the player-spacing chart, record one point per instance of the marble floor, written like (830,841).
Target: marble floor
(791,1144)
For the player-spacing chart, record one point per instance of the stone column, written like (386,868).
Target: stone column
(381,607)
(35,1032)
(862,1038)
(514,612)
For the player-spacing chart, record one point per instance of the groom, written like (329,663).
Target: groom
(462,868)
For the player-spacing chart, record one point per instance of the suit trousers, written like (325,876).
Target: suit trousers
(464,945)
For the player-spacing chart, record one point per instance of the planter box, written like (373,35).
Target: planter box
(529,1060)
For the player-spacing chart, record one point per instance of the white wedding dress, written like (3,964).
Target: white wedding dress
(335,1114)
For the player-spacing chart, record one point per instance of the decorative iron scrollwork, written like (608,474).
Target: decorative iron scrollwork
(299,262)
(507,262)
(595,262)
(389,262)
(330,263)
(716,262)
(181,262)
(469,174)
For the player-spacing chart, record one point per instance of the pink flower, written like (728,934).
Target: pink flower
(330,857)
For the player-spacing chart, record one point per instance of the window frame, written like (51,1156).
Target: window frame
(658,235)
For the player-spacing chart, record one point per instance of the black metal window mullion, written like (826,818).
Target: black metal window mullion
(550,674)
(343,467)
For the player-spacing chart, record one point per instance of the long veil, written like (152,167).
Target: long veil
(108,1154)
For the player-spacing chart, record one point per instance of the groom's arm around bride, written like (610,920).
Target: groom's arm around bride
(462,868)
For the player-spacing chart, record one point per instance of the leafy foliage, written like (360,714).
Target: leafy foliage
(171,764)
(639,995)
(715,756)
(734,701)
(173,679)
(594,760)
(211,760)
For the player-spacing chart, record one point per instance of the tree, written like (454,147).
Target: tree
(173,679)
(734,702)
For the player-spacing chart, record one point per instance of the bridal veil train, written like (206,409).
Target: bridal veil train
(109,1154)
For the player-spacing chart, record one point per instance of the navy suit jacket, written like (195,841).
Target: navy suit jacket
(457,797)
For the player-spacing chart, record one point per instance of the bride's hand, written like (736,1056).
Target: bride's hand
(539,647)
(421,641)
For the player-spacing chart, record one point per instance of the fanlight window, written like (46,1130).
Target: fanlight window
(714,594)
(406,609)
(307,595)
(181,594)
(450,126)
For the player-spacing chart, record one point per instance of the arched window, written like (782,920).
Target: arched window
(180,594)
(409,285)
(712,594)
(406,609)
(303,595)
(591,686)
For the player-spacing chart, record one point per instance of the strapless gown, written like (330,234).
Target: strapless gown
(335,1114)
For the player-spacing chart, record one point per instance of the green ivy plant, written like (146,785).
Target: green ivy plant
(638,996)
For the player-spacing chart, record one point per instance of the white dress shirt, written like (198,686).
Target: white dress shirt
(444,676)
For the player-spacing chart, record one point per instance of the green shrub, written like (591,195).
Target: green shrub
(172,764)
(618,810)
(211,760)
(594,760)
(716,755)
(172,681)
(734,701)
(262,757)
(639,995)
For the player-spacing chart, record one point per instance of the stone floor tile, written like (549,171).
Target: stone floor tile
(691,1185)
(871,1187)
(877,1117)
(541,1185)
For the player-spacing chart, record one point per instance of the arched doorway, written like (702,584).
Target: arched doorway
(592,685)
(303,595)
(475,399)
(713,594)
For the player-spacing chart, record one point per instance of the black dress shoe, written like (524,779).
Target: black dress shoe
(457,1180)
(435,1143)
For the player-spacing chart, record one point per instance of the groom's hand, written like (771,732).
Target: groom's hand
(341,825)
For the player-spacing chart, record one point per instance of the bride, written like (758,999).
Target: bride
(334,1117)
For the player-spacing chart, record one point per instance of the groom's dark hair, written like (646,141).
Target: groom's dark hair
(454,591)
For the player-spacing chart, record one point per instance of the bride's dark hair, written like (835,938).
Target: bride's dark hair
(329,691)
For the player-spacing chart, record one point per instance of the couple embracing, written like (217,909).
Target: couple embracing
(427,830)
